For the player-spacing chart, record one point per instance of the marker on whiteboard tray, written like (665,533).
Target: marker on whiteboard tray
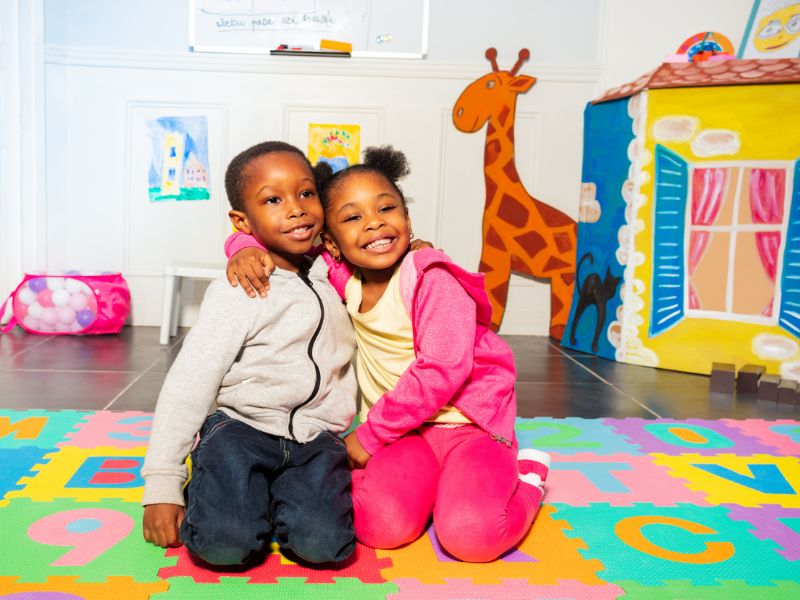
(335,46)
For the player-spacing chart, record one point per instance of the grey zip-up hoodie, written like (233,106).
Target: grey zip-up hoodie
(280,364)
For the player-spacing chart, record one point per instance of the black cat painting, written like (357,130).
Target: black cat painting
(593,292)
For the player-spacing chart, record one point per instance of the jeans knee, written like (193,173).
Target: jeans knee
(221,547)
(321,545)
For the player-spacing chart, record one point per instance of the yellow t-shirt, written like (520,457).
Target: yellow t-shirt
(385,346)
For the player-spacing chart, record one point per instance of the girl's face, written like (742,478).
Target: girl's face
(367,222)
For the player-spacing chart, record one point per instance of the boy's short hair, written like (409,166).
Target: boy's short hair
(235,177)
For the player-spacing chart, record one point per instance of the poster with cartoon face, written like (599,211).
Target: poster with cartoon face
(773,30)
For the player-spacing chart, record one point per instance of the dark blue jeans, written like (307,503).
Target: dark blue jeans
(247,485)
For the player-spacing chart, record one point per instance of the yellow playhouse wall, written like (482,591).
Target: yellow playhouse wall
(767,118)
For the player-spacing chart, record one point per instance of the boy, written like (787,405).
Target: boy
(268,460)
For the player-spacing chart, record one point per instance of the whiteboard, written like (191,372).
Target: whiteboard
(375,28)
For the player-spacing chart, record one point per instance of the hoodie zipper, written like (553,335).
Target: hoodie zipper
(317,378)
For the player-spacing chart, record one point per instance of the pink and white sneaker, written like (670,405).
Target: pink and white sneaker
(534,465)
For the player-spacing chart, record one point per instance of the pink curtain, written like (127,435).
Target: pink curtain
(766,195)
(766,206)
(708,189)
(698,241)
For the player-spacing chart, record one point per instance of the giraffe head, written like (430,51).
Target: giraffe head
(488,95)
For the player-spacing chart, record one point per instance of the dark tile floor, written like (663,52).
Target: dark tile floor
(125,372)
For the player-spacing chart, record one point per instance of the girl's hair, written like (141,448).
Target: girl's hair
(383,160)
(236,174)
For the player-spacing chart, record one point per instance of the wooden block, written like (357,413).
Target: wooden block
(768,387)
(723,377)
(787,391)
(747,378)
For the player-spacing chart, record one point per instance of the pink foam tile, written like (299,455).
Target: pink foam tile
(510,589)
(118,429)
(783,435)
(617,479)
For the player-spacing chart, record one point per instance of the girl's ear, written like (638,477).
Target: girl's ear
(239,221)
(331,246)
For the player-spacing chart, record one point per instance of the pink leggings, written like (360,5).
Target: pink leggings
(468,481)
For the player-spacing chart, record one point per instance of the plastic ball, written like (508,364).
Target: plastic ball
(77,301)
(60,297)
(26,295)
(66,315)
(45,298)
(85,317)
(38,284)
(63,327)
(74,286)
(76,327)
(35,310)
(31,323)
(20,310)
(55,283)
(49,316)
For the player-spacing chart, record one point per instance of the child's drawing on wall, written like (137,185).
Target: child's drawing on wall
(773,30)
(179,159)
(337,145)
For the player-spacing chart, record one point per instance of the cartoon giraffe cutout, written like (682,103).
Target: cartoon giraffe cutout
(520,233)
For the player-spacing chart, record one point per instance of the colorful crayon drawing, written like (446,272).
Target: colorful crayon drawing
(337,145)
(773,30)
(179,160)
(689,240)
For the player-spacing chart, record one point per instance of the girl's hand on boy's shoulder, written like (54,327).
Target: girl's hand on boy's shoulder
(356,455)
(161,523)
(250,267)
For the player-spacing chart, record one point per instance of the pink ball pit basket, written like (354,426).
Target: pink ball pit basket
(69,304)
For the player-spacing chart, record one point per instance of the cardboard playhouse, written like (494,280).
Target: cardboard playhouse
(689,228)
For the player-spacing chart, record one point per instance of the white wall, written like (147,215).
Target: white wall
(103,79)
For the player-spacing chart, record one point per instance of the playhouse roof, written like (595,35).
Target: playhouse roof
(708,73)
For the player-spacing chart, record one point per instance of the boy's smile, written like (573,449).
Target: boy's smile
(282,209)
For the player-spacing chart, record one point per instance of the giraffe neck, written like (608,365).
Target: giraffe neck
(500,169)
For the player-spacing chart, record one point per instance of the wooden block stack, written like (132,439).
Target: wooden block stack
(768,387)
(787,392)
(723,377)
(748,378)
(752,379)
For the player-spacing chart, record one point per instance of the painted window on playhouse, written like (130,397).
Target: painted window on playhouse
(735,255)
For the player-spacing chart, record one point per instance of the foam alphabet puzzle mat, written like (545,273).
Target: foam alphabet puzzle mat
(634,508)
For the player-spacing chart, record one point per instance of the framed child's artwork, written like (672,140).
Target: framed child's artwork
(773,30)
(179,158)
(337,145)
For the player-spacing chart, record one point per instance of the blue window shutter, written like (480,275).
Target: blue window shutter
(790,278)
(671,197)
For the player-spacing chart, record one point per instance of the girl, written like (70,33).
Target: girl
(438,401)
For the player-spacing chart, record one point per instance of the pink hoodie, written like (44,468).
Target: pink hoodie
(459,360)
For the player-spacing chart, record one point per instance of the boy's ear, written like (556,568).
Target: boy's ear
(331,246)
(239,221)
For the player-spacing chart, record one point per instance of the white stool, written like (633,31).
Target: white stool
(173,277)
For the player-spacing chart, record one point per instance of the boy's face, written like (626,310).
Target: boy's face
(281,207)
(367,222)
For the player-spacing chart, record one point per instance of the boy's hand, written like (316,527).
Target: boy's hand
(417,244)
(356,455)
(160,524)
(251,267)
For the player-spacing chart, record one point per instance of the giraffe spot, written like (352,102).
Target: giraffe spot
(503,115)
(555,305)
(494,240)
(563,241)
(552,217)
(554,263)
(490,129)
(491,152)
(510,134)
(484,267)
(568,278)
(491,189)
(512,212)
(511,171)
(520,266)
(532,243)
(500,293)
(557,332)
